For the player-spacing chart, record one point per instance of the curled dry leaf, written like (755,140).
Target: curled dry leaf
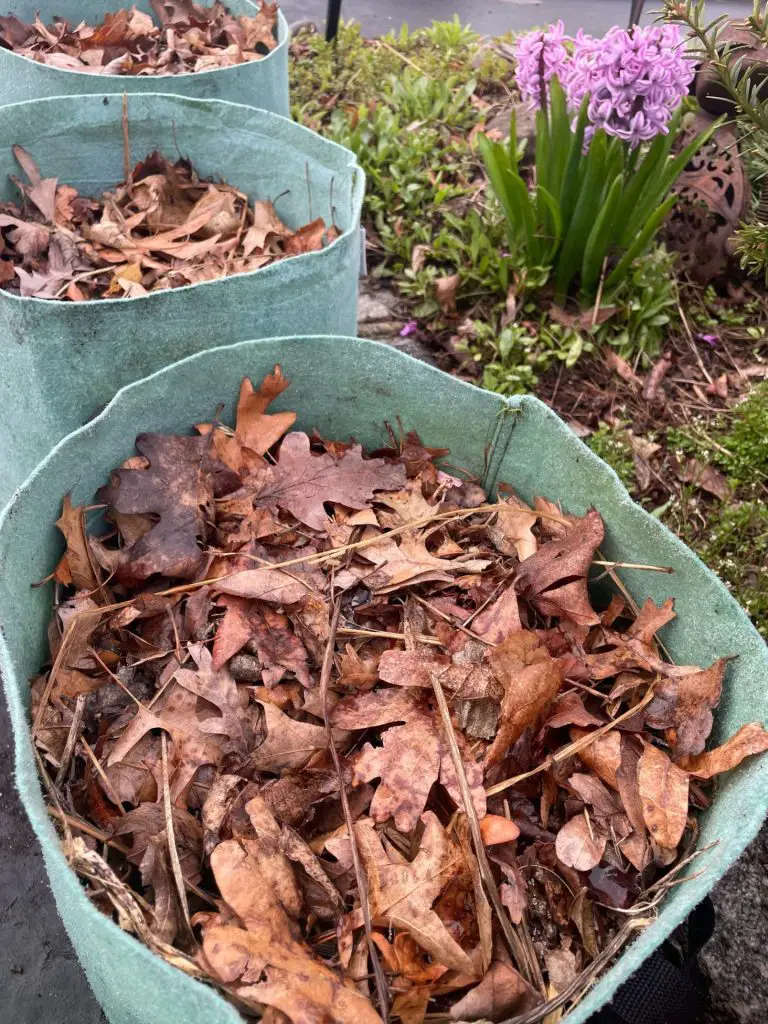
(555,577)
(531,678)
(749,740)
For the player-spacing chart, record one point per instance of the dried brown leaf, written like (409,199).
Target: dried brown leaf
(578,846)
(531,678)
(664,794)
(555,578)
(302,482)
(401,895)
(750,739)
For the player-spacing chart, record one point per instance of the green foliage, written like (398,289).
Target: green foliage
(613,447)
(588,210)
(741,83)
(751,246)
(648,302)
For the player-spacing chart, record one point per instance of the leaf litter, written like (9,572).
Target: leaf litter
(257,698)
(163,227)
(183,37)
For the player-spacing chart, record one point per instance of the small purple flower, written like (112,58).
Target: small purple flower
(540,55)
(709,339)
(635,81)
(408,329)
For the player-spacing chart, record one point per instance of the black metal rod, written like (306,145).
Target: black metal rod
(636,10)
(332,19)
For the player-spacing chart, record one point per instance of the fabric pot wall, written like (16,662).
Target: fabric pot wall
(61,362)
(346,387)
(261,83)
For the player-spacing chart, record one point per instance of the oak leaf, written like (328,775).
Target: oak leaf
(192,746)
(255,427)
(602,755)
(401,895)
(750,739)
(288,743)
(501,618)
(218,688)
(503,993)
(302,482)
(554,579)
(76,563)
(531,678)
(178,486)
(511,532)
(684,703)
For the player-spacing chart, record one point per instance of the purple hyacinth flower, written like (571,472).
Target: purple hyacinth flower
(540,55)
(635,81)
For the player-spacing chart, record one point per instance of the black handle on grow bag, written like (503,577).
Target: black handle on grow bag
(668,988)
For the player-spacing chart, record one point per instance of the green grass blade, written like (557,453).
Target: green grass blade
(600,238)
(641,242)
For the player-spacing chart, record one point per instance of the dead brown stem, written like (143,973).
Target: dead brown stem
(362,880)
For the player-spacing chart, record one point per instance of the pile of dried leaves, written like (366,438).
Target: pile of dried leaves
(186,37)
(163,227)
(355,739)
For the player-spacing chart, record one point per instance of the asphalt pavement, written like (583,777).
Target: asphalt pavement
(491,17)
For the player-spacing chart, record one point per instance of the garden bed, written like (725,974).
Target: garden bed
(411,105)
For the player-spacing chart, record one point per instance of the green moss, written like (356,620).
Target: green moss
(735,442)
(735,545)
(613,447)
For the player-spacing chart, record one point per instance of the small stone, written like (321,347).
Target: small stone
(245,668)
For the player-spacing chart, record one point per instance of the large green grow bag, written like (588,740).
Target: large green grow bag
(260,83)
(61,362)
(346,388)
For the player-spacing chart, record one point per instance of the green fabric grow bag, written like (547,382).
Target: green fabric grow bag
(344,388)
(260,83)
(61,362)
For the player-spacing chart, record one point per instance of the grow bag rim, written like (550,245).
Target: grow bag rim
(651,937)
(357,190)
(283,39)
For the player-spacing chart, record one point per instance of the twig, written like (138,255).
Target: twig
(89,830)
(103,776)
(173,853)
(452,622)
(634,565)
(362,879)
(517,947)
(383,634)
(585,978)
(421,71)
(572,748)
(126,142)
(69,747)
(96,833)
(692,343)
